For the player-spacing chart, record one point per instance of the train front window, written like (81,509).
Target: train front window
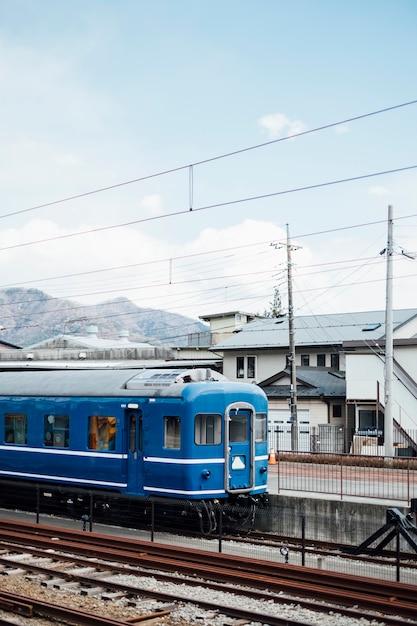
(56,431)
(238,426)
(101,432)
(260,427)
(207,429)
(15,428)
(172,432)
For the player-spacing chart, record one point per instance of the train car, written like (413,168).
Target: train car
(163,433)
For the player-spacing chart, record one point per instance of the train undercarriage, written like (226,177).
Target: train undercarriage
(236,514)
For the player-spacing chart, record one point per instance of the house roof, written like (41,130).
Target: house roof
(312,382)
(207,318)
(90,340)
(310,330)
(5,345)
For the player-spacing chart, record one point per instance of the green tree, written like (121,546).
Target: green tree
(275,309)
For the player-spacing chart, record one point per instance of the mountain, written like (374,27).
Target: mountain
(28,316)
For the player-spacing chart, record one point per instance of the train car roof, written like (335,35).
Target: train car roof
(102,383)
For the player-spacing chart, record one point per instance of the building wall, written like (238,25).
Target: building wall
(317,410)
(407,330)
(406,356)
(71,354)
(270,362)
(364,372)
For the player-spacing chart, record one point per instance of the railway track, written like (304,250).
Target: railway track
(135,558)
(31,607)
(325,548)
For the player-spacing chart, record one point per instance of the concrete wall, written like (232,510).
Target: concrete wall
(326,520)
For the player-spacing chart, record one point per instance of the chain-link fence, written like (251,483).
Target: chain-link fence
(273,532)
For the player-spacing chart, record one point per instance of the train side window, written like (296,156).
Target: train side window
(260,427)
(207,429)
(101,432)
(238,427)
(15,428)
(56,431)
(172,432)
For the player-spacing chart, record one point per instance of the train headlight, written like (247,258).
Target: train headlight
(206,473)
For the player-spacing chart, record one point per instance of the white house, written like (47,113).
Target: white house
(340,375)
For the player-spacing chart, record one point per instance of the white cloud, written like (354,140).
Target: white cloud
(341,129)
(378,190)
(221,269)
(279,125)
(153,204)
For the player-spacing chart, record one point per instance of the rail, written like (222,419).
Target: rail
(350,595)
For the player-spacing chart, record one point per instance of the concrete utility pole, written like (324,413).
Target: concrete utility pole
(389,344)
(293,391)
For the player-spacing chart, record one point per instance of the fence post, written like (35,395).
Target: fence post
(303,540)
(398,557)
(341,476)
(38,503)
(152,519)
(408,481)
(278,464)
(220,526)
(91,511)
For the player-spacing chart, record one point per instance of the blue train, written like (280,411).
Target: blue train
(166,433)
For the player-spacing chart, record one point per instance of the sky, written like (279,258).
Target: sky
(170,151)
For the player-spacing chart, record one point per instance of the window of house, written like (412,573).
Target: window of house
(321,360)
(101,432)
(172,432)
(251,363)
(207,429)
(15,428)
(334,361)
(261,424)
(337,410)
(367,419)
(305,360)
(240,367)
(56,431)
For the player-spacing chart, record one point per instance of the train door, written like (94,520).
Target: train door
(134,450)
(239,439)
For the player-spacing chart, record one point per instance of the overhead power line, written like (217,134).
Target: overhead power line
(210,159)
(213,206)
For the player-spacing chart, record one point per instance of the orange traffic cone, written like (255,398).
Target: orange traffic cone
(272,459)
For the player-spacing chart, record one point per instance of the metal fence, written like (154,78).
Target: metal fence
(344,475)
(331,439)
(293,539)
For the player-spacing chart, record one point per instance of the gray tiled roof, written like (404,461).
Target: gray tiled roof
(312,382)
(315,329)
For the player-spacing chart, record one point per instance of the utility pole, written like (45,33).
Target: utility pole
(389,344)
(293,388)
(291,356)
